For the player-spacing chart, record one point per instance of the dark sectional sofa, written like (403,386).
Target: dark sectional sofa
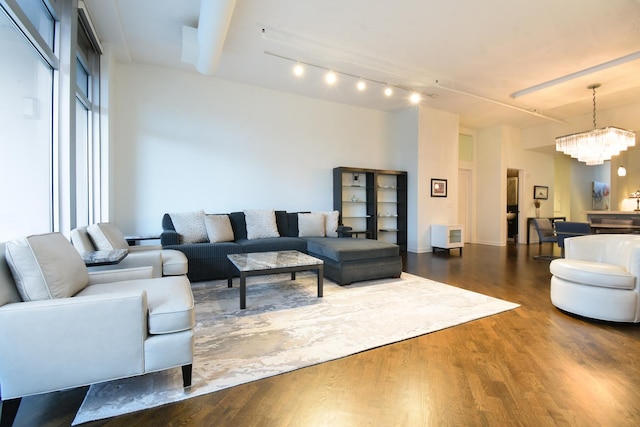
(346,259)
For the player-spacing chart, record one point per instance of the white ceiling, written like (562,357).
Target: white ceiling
(488,48)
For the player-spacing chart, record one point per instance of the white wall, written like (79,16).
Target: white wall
(490,191)
(538,169)
(185,141)
(563,192)
(438,158)
(403,131)
(621,187)
(500,148)
(426,143)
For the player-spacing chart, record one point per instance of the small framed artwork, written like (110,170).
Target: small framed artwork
(540,192)
(600,191)
(438,187)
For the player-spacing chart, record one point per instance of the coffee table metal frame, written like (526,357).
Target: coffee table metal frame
(273,268)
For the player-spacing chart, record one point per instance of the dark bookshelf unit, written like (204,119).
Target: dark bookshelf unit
(372,202)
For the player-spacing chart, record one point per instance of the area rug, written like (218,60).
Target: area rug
(287,327)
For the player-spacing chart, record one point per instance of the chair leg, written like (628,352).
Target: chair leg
(9,411)
(186,375)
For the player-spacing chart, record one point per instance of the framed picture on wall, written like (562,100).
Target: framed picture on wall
(438,187)
(600,197)
(540,192)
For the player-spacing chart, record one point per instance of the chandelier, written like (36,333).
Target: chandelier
(597,145)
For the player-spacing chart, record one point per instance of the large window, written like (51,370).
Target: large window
(49,151)
(26,84)
(87,117)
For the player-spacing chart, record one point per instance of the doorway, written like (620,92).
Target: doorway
(513,200)
(464,203)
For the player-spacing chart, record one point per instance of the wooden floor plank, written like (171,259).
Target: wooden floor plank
(532,366)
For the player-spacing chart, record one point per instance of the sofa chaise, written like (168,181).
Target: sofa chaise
(346,259)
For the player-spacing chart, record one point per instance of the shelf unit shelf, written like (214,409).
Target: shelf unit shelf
(372,201)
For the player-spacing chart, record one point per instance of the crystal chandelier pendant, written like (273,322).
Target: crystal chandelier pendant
(595,146)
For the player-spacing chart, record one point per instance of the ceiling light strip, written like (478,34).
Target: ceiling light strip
(409,89)
(327,69)
(581,73)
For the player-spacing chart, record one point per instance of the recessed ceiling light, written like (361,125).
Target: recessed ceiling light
(361,85)
(298,70)
(331,78)
(415,98)
(388,91)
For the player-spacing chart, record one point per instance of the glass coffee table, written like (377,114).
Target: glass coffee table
(263,263)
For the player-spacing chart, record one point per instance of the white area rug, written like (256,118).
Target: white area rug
(287,327)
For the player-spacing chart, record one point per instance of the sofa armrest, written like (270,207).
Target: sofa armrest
(119,275)
(69,342)
(169,237)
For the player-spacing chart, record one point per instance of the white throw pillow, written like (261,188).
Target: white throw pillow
(46,266)
(107,237)
(261,224)
(331,223)
(190,225)
(311,224)
(218,228)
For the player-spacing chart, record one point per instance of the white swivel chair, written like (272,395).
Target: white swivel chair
(599,277)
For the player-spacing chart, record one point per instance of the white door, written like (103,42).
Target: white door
(464,202)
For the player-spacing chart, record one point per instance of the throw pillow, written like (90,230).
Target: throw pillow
(107,237)
(218,228)
(331,223)
(261,224)
(190,226)
(46,266)
(311,224)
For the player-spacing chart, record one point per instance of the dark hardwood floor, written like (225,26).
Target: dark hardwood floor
(532,366)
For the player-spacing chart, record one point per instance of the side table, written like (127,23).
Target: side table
(135,239)
(95,258)
(447,237)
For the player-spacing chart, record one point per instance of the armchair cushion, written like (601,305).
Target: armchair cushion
(45,267)
(174,263)
(169,299)
(107,237)
(593,273)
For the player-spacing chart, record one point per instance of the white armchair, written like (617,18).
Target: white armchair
(599,277)
(63,327)
(106,236)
